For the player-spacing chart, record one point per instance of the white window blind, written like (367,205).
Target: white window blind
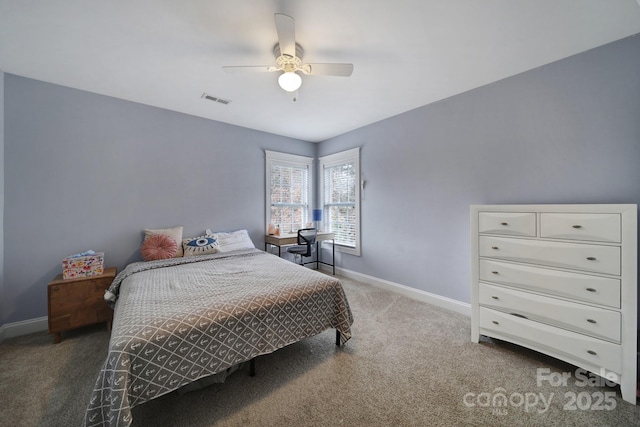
(341,198)
(288,190)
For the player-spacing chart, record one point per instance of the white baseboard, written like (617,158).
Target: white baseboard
(417,294)
(24,327)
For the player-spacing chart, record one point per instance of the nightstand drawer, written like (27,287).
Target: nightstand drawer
(587,257)
(75,319)
(578,286)
(77,297)
(508,223)
(589,226)
(581,318)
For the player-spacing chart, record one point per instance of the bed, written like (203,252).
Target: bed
(183,319)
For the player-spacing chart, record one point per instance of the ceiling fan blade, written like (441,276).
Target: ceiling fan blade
(343,70)
(286,29)
(250,69)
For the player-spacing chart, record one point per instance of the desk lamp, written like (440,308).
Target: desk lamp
(317,217)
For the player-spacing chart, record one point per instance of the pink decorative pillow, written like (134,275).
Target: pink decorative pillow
(158,246)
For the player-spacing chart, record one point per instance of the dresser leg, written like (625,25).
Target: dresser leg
(109,326)
(57,337)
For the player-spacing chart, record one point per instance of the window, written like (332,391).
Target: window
(340,197)
(288,179)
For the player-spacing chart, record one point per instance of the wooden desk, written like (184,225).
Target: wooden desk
(286,239)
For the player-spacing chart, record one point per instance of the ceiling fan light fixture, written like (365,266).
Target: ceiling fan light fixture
(290,81)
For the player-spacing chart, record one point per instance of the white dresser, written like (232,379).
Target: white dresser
(559,279)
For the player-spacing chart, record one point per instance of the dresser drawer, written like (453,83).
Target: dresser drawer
(587,257)
(508,223)
(570,346)
(581,318)
(587,226)
(583,287)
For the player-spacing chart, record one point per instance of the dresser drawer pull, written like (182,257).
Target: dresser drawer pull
(577,226)
(519,315)
(591,352)
(591,290)
(495,248)
(495,272)
(495,322)
(591,258)
(494,297)
(591,321)
(504,223)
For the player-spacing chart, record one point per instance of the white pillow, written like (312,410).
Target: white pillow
(175,233)
(233,241)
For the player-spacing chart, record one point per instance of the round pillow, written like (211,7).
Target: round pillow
(158,246)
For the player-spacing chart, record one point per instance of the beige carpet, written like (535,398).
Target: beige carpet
(408,364)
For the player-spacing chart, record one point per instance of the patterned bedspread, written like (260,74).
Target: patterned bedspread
(183,319)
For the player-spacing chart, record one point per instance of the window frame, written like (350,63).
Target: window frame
(332,160)
(293,160)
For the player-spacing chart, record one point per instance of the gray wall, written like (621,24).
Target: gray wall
(85,171)
(568,132)
(3,299)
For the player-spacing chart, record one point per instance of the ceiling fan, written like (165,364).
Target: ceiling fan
(288,56)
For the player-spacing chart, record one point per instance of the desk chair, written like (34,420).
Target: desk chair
(306,242)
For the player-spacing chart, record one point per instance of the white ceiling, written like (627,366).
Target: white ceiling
(406,53)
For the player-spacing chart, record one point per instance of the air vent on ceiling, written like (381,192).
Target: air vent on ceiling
(215,99)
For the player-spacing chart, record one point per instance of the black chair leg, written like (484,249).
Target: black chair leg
(252,367)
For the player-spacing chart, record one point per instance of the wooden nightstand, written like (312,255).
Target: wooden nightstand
(79,302)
